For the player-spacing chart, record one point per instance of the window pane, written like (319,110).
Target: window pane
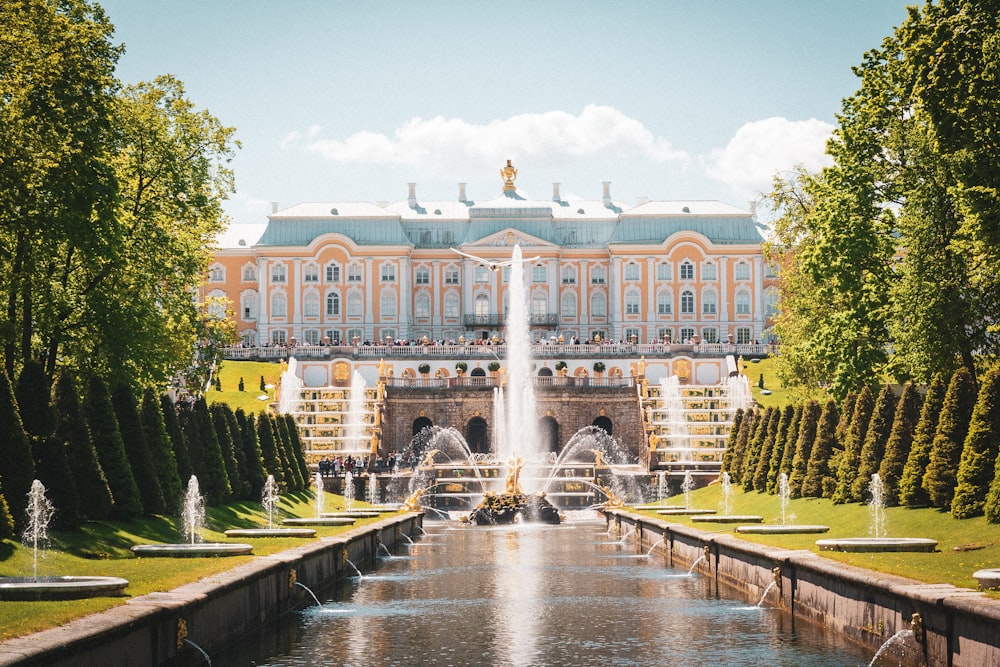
(687,271)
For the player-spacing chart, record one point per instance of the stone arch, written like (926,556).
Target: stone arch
(477,373)
(544,372)
(548,434)
(477,435)
(420,423)
(604,423)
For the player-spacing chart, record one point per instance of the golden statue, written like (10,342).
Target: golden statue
(381,367)
(515,463)
(508,173)
(412,504)
(611,499)
(428,461)
(599,459)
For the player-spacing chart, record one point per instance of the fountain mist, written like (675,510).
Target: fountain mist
(40,512)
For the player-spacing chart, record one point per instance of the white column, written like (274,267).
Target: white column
(263,301)
(405,300)
(370,285)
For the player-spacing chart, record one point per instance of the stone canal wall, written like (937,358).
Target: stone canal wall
(961,626)
(211,613)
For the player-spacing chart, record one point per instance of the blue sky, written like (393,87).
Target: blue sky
(350,101)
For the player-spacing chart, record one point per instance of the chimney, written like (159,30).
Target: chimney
(753,208)
(412,198)
(639,201)
(555,193)
(274,207)
(461,193)
(607,193)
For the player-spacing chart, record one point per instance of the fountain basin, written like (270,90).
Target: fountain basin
(320,521)
(774,529)
(196,550)
(877,544)
(728,518)
(59,588)
(681,511)
(988,578)
(349,514)
(271,532)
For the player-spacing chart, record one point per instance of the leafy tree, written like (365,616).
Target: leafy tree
(873,449)
(803,447)
(72,431)
(111,451)
(850,460)
(897,449)
(946,450)
(51,466)
(819,480)
(911,486)
(15,450)
(161,450)
(139,458)
(979,454)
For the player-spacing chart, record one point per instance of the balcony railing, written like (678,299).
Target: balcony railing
(499,320)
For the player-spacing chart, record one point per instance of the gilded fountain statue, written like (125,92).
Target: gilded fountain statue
(513,504)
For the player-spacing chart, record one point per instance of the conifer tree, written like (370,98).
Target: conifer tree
(220,423)
(754,448)
(819,480)
(946,450)
(747,428)
(297,449)
(791,439)
(175,431)
(778,452)
(873,449)
(269,449)
(71,430)
(850,460)
(111,451)
(979,453)
(904,424)
(767,451)
(992,506)
(240,484)
(803,447)
(139,457)
(216,482)
(15,452)
(911,486)
(293,473)
(34,399)
(192,440)
(6,520)
(846,415)
(253,459)
(161,450)
(734,434)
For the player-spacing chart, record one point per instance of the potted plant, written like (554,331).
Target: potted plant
(461,367)
(493,367)
(561,368)
(599,368)
(424,369)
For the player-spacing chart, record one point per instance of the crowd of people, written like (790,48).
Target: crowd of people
(341,465)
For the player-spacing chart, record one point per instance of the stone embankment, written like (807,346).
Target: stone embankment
(959,626)
(167,628)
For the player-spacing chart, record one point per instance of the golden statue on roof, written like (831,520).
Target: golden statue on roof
(508,173)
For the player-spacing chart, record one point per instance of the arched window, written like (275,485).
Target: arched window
(664,271)
(568,305)
(451,305)
(217,302)
(597,275)
(333,272)
(687,302)
(632,302)
(310,273)
(742,271)
(333,304)
(598,305)
(708,271)
(354,304)
(387,306)
(709,302)
(248,305)
(771,303)
(569,275)
(687,270)
(279,305)
(482,305)
(422,305)
(278,273)
(310,305)
(249,273)
(217,273)
(539,305)
(743,302)
(631,271)
(664,303)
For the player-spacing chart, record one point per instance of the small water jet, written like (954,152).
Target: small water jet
(653,547)
(348,562)
(193,520)
(309,591)
(878,542)
(908,643)
(784,494)
(39,512)
(204,654)
(269,501)
(770,587)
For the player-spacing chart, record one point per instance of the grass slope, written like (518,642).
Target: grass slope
(230,373)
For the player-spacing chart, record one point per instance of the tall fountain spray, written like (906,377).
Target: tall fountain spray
(356,425)
(40,512)
(677,426)
(290,388)
(193,513)
(269,499)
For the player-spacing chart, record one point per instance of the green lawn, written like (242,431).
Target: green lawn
(251,372)
(977,541)
(102,549)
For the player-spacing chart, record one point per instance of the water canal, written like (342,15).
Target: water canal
(535,595)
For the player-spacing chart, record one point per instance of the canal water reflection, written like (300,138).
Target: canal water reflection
(535,595)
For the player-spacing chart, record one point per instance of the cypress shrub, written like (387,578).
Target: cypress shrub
(139,458)
(747,427)
(15,452)
(293,473)
(6,520)
(850,460)
(253,459)
(791,440)
(297,449)
(127,503)
(778,451)
(767,450)
(269,449)
(220,424)
(216,482)
(178,444)
(803,447)
(754,448)
(946,450)
(911,486)
(991,508)
(897,449)
(734,434)
(161,450)
(240,484)
(192,439)
(979,453)
(819,480)
(71,430)
(846,416)
(873,449)
(34,399)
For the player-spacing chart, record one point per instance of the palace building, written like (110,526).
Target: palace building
(341,273)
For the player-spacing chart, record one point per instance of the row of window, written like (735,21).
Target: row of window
(482,274)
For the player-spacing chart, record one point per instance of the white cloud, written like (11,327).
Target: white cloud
(435,141)
(761,148)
